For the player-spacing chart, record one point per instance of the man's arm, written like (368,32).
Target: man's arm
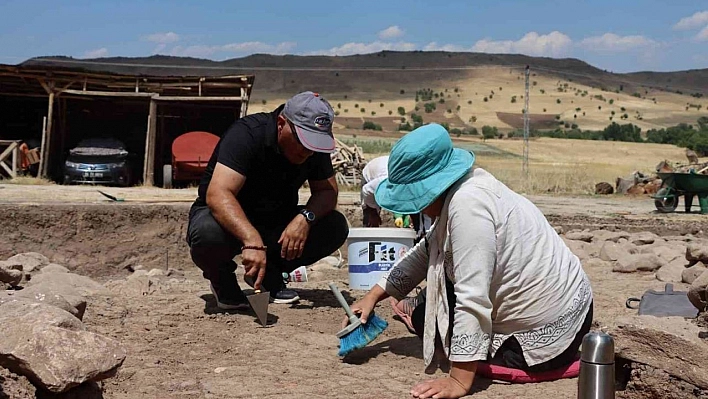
(323,198)
(221,198)
(368,191)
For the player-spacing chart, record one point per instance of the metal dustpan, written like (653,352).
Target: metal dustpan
(259,303)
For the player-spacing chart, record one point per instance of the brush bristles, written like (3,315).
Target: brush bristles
(362,335)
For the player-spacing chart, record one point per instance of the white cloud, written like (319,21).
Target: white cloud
(703,34)
(259,47)
(553,44)
(696,20)
(365,48)
(434,46)
(162,37)
(391,32)
(97,53)
(612,43)
(236,48)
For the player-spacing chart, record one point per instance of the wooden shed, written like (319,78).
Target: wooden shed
(57,107)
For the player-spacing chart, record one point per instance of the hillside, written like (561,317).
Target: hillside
(564,90)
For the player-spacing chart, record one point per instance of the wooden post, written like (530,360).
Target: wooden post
(14,160)
(48,143)
(149,164)
(244,102)
(41,146)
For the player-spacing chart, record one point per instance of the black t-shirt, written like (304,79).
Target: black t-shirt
(270,193)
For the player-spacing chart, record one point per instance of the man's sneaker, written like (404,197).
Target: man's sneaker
(282,295)
(229,304)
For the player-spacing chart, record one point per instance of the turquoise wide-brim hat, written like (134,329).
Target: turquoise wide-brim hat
(421,166)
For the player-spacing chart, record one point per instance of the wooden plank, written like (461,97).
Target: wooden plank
(108,93)
(149,163)
(48,142)
(14,161)
(10,150)
(41,147)
(196,98)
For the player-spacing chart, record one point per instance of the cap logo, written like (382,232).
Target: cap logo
(323,121)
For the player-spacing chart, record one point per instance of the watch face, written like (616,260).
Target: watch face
(309,215)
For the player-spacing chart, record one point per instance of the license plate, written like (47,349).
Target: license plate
(93,174)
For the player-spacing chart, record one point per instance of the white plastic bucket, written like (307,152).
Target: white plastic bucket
(372,252)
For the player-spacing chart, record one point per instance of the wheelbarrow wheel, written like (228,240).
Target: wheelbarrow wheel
(665,201)
(167,176)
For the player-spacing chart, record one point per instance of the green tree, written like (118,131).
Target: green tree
(371,126)
(489,132)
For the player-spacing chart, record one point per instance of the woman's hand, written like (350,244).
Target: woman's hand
(366,305)
(457,385)
(441,388)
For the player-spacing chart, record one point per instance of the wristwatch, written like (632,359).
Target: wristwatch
(309,215)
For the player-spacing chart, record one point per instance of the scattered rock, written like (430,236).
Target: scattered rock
(174,273)
(697,252)
(690,274)
(671,344)
(604,188)
(697,292)
(666,252)
(47,297)
(643,238)
(672,272)
(596,263)
(62,282)
(579,236)
(54,268)
(558,229)
(30,260)
(156,272)
(605,235)
(11,276)
(13,386)
(611,251)
(51,348)
(649,382)
(629,263)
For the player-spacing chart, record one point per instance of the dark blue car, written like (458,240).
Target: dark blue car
(98,161)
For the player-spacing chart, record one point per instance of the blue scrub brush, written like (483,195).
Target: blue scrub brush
(356,335)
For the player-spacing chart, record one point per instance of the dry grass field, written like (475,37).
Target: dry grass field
(556,166)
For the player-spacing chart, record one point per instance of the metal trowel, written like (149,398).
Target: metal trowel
(259,303)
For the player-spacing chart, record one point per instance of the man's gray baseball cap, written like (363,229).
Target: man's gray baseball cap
(312,116)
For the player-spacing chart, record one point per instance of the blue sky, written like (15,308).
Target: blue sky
(621,36)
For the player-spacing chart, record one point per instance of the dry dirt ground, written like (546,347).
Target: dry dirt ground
(181,346)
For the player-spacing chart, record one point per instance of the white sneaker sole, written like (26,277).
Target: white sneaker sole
(285,301)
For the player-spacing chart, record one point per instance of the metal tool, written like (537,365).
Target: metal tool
(259,303)
(597,367)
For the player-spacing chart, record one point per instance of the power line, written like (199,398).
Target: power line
(525,166)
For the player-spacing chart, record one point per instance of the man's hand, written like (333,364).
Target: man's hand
(254,261)
(292,241)
(441,388)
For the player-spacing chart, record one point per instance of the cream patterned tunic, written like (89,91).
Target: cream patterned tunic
(512,275)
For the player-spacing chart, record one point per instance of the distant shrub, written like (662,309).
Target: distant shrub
(371,126)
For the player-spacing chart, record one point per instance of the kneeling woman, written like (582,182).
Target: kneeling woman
(501,284)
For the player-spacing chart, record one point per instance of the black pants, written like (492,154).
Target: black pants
(212,248)
(510,353)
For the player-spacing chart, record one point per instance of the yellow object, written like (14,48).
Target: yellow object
(398,222)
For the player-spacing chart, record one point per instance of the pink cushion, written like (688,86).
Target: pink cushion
(517,376)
